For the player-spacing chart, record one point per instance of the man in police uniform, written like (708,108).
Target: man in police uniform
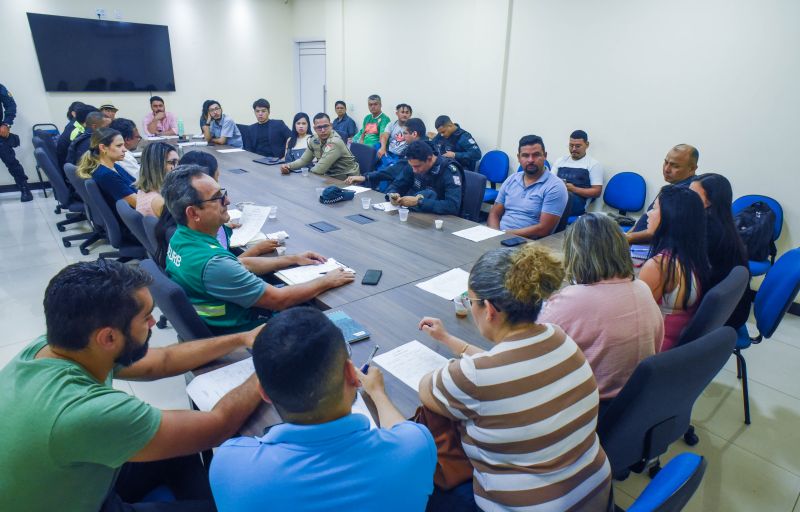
(8,111)
(455,143)
(435,186)
(334,159)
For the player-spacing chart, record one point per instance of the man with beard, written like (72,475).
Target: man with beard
(72,441)
(158,121)
(220,129)
(530,203)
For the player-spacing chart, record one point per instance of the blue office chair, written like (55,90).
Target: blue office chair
(759,268)
(625,191)
(673,486)
(493,165)
(773,299)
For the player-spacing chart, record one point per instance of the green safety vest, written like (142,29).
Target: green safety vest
(187,256)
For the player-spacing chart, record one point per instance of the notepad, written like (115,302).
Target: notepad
(478,233)
(449,285)
(357,189)
(410,362)
(351,330)
(207,389)
(308,273)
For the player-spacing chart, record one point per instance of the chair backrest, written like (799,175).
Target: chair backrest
(653,408)
(673,486)
(173,302)
(60,189)
(625,191)
(103,214)
(494,165)
(79,184)
(366,156)
(149,227)
(472,198)
(745,201)
(777,292)
(48,128)
(564,219)
(717,305)
(48,142)
(135,222)
(246,138)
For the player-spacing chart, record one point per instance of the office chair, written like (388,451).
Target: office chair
(472,196)
(135,223)
(625,191)
(366,156)
(78,183)
(126,249)
(493,165)
(673,486)
(759,268)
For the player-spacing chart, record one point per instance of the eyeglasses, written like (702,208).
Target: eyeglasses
(173,162)
(221,198)
(349,350)
(215,109)
(468,301)
(322,126)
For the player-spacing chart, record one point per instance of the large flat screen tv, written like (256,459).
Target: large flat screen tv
(77,54)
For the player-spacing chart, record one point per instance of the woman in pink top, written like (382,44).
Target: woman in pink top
(158,159)
(610,315)
(677,270)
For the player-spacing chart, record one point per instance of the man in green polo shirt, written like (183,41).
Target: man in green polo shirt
(225,291)
(374,123)
(68,436)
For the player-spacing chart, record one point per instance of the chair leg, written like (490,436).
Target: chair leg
(162,322)
(67,240)
(738,365)
(94,237)
(745,392)
(71,219)
(44,188)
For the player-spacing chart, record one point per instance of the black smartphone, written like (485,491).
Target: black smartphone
(517,240)
(372,277)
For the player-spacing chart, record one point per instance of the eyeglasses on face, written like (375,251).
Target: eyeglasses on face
(223,195)
(173,162)
(468,301)
(322,126)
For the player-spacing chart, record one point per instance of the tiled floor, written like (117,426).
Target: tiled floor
(755,468)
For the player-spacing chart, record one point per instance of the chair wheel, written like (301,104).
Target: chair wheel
(654,469)
(85,252)
(61,228)
(67,243)
(58,210)
(690,438)
(162,322)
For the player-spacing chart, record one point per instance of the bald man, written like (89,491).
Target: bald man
(679,169)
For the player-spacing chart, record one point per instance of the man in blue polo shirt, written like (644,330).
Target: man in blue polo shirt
(680,166)
(530,203)
(220,129)
(323,457)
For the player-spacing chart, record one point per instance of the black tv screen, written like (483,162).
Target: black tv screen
(77,54)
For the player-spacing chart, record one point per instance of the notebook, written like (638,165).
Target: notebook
(352,330)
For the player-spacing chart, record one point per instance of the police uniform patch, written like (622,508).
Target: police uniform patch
(471,141)
(457,179)
(327,147)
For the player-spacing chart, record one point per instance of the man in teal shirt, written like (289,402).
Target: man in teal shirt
(374,124)
(68,435)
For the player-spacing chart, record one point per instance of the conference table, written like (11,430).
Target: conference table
(406,252)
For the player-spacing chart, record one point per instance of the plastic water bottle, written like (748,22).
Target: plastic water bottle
(180,128)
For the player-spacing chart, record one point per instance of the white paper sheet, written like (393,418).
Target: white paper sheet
(360,407)
(234,214)
(155,137)
(410,362)
(198,136)
(231,150)
(386,207)
(190,144)
(253,217)
(357,189)
(308,273)
(449,285)
(207,389)
(478,233)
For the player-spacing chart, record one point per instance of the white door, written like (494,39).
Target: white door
(311,79)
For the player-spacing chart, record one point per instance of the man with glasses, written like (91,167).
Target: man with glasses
(323,457)
(225,290)
(267,136)
(219,128)
(130,135)
(334,159)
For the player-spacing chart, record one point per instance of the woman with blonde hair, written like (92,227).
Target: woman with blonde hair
(158,159)
(611,315)
(106,148)
(527,408)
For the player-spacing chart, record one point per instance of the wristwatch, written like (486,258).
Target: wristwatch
(420,198)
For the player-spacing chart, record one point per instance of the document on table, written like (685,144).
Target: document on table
(449,285)
(360,407)
(308,273)
(410,362)
(189,144)
(357,189)
(478,233)
(207,389)
(251,220)
(386,207)
(231,150)
(198,136)
(155,137)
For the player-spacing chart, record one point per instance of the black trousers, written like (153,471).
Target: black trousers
(10,159)
(184,476)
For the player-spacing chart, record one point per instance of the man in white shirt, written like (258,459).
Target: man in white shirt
(582,174)
(130,135)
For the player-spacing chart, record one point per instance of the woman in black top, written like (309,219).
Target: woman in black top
(725,247)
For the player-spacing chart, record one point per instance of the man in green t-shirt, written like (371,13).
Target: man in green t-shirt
(374,124)
(69,437)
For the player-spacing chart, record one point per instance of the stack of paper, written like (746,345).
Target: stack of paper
(449,285)
(410,362)
(308,273)
(251,220)
(207,389)
(357,189)
(478,233)
(386,207)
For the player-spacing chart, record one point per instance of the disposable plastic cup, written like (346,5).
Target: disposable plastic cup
(365,202)
(304,172)
(273,212)
(439,223)
(403,212)
(461,308)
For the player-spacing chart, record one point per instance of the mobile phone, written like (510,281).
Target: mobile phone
(517,240)
(371,277)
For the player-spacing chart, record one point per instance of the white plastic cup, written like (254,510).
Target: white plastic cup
(304,172)
(461,307)
(439,223)
(273,212)
(403,213)
(365,202)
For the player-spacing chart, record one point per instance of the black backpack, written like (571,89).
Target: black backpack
(755,225)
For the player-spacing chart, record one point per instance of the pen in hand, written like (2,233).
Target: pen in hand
(365,367)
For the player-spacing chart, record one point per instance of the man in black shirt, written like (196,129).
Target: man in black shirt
(267,136)
(8,141)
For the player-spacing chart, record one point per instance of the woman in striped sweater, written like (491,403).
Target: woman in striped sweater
(527,407)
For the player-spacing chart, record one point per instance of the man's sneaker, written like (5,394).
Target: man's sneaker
(26,193)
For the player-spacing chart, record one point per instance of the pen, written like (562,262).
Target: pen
(369,359)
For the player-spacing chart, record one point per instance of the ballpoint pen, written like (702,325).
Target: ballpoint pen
(365,367)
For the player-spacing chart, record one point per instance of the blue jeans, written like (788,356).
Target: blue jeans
(388,159)
(457,499)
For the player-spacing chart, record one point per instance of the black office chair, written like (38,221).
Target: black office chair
(48,142)
(149,227)
(717,305)
(135,223)
(472,196)
(65,201)
(366,156)
(653,408)
(78,183)
(125,248)
(173,302)
(247,138)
